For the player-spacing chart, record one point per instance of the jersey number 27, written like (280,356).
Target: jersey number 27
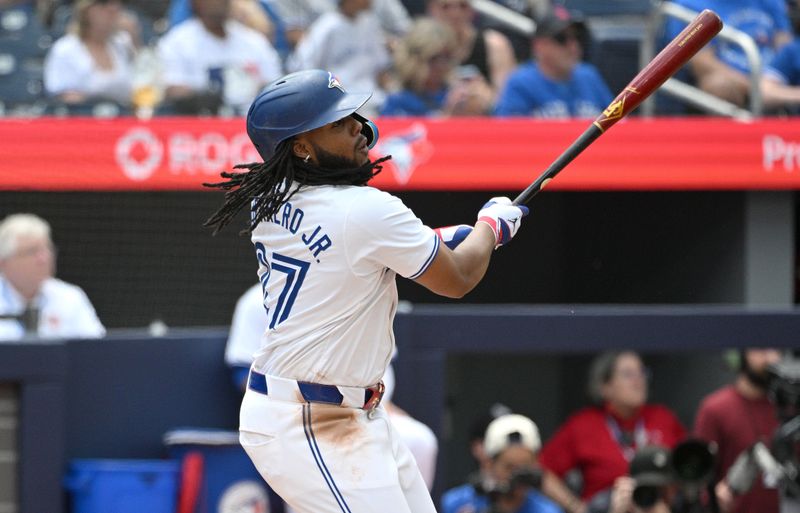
(295,271)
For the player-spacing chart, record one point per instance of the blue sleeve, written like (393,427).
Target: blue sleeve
(281,43)
(786,63)
(391,106)
(454,499)
(539,503)
(780,14)
(512,101)
(179,11)
(239,376)
(404,103)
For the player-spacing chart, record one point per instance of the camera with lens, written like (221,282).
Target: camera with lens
(525,477)
(784,393)
(688,466)
(784,388)
(776,462)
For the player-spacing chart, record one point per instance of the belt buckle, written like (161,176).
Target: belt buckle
(375,399)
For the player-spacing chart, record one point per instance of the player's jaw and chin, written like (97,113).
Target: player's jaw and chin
(329,160)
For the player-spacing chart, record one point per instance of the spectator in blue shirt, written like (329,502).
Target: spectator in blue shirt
(780,84)
(556,84)
(509,484)
(721,67)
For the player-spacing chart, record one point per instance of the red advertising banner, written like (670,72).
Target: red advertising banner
(427,154)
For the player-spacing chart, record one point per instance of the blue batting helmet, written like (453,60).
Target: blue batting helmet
(300,102)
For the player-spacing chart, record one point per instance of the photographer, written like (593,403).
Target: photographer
(736,417)
(510,482)
(664,481)
(648,486)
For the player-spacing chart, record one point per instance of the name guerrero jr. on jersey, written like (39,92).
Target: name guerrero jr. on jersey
(316,241)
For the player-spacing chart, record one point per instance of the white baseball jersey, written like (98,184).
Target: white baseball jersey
(327,265)
(70,67)
(65,312)
(245,60)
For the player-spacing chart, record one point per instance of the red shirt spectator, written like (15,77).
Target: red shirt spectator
(588,441)
(600,441)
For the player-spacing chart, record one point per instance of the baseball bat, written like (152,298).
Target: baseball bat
(668,61)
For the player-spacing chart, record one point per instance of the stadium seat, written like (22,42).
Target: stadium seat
(22,35)
(21,88)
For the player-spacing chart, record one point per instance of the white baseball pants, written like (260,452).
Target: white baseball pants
(324,458)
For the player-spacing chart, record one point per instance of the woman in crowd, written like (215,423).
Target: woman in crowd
(430,83)
(94,60)
(599,441)
(486,49)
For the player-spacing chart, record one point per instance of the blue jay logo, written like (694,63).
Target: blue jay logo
(334,82)
(409,149)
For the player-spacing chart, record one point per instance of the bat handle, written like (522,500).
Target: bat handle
(580,144)
(532,190)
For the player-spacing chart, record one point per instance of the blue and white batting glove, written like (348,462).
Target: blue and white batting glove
(454,235)
(503,218)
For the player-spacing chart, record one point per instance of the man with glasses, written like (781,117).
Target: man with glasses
(556,83)
(33,303)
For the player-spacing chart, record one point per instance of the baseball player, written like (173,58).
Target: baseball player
(328,249)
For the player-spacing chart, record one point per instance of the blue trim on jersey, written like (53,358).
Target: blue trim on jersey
(312,444)
(429,261)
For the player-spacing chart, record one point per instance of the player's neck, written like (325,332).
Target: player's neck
(748,389)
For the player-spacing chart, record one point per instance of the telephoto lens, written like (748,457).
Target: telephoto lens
(693,461)
(650,468)
(646,496)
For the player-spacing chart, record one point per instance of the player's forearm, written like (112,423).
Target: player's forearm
(454,273)
(472,256)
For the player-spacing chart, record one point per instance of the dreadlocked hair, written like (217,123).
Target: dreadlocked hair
(267,185)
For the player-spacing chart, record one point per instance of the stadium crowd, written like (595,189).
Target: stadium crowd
(423,58)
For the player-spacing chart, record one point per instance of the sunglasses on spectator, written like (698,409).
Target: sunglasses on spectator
(565,37)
